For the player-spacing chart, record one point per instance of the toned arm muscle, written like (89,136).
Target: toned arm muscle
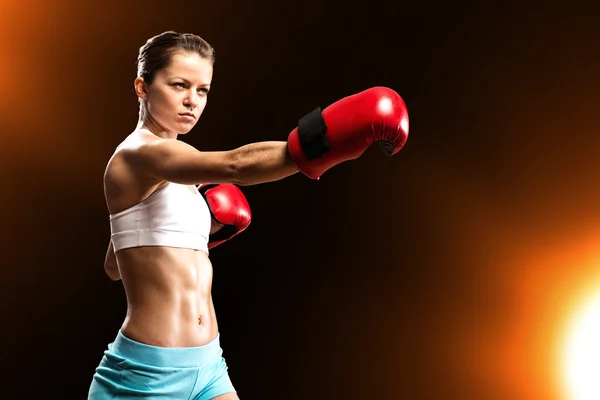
(176,161)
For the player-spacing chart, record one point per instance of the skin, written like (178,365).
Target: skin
(168,290)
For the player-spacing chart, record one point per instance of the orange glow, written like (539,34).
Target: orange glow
(581,352)
(565,316)
(24,28)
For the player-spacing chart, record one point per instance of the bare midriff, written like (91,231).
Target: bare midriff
(169,301)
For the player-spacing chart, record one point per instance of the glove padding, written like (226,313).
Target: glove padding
(345,129)
(229,207)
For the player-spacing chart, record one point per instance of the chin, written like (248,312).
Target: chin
(186,130)
(182,130)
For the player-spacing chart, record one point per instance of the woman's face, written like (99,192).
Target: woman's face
(178,94)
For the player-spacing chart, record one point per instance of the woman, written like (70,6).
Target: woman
(162,226)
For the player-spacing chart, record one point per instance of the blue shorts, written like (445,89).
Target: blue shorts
(133,370)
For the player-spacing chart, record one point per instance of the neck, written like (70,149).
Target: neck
(148,123)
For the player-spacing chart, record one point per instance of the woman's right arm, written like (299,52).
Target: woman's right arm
(176,161)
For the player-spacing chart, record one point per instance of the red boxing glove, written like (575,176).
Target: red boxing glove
(229,207)
(345,129)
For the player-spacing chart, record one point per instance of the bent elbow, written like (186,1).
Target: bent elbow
(113,274)
(112,270)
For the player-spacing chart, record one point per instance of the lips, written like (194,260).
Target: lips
(188,115)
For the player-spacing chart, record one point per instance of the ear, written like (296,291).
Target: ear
(140,88)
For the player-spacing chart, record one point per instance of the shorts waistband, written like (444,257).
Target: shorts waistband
(165,356)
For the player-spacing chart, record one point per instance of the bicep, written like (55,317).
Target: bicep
(178,162)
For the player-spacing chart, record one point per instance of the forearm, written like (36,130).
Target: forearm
(262,162)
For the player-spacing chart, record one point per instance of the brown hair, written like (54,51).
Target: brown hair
(156,53)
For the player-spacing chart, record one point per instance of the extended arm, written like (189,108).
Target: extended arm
(178,162)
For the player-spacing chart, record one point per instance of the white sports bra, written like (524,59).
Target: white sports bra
(172,216)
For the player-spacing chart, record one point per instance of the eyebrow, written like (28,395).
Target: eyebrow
(183,79)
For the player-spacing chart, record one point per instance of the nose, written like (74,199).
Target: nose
(191,99)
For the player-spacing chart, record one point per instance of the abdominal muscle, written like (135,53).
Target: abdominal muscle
(169,301)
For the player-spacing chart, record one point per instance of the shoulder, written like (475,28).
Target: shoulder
(136,141)
(134,148)
(127,151)
(124,179)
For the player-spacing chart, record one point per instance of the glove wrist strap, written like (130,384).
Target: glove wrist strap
(311,133)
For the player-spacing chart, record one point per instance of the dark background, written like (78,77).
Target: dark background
(448,271)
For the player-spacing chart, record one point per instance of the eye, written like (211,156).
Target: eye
(203,91)
(179,85)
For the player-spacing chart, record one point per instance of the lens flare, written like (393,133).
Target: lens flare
(581,352)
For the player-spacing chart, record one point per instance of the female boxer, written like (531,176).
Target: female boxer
(162,225)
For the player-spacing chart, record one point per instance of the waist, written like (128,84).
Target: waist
(171,328)
(178,357)
(160,237)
